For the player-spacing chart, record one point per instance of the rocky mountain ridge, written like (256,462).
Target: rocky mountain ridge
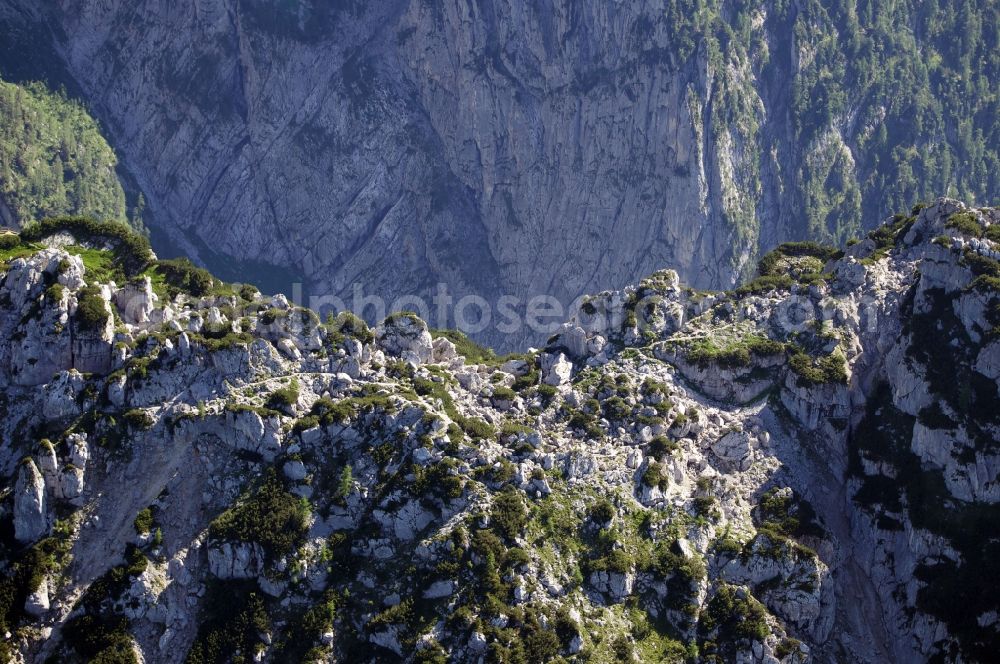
(524,148)
(803,469)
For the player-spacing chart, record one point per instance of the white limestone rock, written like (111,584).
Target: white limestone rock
(406,336)
(556,369)
(37,603)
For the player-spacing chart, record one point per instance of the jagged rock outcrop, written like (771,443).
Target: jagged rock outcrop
(406,336)
(30,516)
(608,492)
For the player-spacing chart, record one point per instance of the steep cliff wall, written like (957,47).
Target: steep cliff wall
(527,147)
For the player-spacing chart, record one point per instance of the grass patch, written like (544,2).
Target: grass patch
(131,250)
(734,354)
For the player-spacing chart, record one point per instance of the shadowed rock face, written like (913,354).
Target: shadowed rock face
(517,147)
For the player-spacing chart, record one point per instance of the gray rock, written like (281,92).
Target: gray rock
(442,588)
(236,560)
(734,447)
(295,470)
(444,350)
(405,336)
(556,369)
(37,603)
(30,518)
(136,301)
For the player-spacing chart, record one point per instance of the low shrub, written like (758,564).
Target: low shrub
(476,428)
(348,324)
(183,275)
(661,446)
(766,284)
(965,223)
(268,515)
(131,250)
(91,312)
(503,393)
(655,476)
(474,353)
(138,418)
(508,515)
(735,617)
(828,369)
(232,623)
(284,398)
(143,521)
(602,511)
(767,265)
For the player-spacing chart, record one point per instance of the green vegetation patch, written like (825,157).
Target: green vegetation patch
(474,353)
(131,250)
(97,633)
(787,515)
(92,311)
(284,398)
(734,353)
(232,624)
(829,369)
(348,324)
(735,617)
(53,158)
(181,275)
(268,515)
(965,223)
(27,570)
(776,260)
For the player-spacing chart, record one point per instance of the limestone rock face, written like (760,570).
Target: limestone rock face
(406,337)
(30,517)
(236,560)
(793,460)
(449,164)
(616,585)
(136,301)
(91,350)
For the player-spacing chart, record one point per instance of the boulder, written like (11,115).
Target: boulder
(136,301)
(515,367)
(556,369)
(444,350)
(406,336)
(37,603)
(236,560)
(572,339)
(734,448)
(294,470)
(441,588)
